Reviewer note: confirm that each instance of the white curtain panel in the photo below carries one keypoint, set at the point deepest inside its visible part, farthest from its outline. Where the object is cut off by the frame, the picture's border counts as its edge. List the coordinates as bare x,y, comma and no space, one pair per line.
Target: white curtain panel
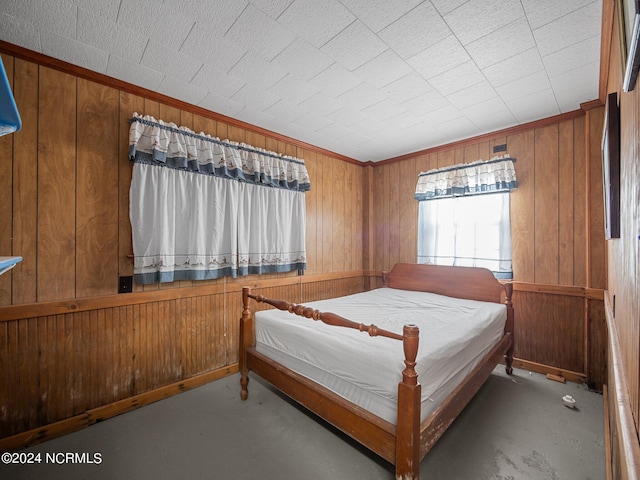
472,231
271,230
201,208
184,225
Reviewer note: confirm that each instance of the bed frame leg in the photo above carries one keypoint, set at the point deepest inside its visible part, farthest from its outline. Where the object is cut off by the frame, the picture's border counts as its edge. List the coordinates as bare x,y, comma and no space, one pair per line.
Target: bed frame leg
408,425
508,360
244,382
508,356
246,341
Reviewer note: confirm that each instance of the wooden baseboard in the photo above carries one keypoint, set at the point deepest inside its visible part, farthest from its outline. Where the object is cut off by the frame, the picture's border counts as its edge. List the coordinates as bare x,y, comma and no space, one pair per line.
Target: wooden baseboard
575,377
95,415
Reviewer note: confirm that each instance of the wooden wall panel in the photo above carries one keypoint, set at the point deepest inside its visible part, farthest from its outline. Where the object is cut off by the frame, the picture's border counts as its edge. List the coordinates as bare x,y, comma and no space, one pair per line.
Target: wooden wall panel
446,158
597,260
521,147
407,214
596,346
356,188
312,199
580,203
311,292
56,185
566,228
352,210
9,384
97,190
379,220
394,229
471,153
339,255
25,175
557,341
6,198
546,205
326,177
368,230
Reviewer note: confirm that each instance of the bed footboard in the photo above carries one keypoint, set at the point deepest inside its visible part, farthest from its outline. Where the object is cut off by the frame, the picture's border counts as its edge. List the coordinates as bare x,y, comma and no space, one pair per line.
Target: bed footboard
407,432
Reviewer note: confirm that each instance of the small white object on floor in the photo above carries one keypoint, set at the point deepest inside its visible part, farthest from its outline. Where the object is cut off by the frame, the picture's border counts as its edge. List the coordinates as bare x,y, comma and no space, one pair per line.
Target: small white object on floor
569,401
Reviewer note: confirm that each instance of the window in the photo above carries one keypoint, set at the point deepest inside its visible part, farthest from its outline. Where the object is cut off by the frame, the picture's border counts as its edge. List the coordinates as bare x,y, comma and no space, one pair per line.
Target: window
464,215
471,231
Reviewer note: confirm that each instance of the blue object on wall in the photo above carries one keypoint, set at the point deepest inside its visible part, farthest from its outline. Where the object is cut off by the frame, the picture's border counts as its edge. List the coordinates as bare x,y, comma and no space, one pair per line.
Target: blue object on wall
9,117
7,263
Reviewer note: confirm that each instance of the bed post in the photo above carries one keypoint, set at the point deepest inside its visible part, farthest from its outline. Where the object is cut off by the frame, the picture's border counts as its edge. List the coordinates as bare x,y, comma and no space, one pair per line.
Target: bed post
508,328
409,396
246,341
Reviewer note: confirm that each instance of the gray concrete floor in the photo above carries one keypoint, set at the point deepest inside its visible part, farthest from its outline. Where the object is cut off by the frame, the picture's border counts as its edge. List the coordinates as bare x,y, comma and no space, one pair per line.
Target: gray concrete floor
515,428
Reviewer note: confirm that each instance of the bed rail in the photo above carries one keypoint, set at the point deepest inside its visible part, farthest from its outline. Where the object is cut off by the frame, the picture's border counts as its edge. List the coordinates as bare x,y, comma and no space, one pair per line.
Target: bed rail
325,317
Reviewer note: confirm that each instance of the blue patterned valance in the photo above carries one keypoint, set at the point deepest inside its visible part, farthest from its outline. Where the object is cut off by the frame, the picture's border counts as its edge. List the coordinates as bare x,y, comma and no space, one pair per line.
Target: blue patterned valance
155,142
495,175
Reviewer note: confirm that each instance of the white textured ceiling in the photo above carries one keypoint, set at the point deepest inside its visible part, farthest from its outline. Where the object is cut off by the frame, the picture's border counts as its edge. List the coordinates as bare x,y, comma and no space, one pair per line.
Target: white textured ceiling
369,79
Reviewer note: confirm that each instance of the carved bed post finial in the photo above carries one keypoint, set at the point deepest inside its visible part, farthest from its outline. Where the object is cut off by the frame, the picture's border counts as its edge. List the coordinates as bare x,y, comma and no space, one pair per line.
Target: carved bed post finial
411,336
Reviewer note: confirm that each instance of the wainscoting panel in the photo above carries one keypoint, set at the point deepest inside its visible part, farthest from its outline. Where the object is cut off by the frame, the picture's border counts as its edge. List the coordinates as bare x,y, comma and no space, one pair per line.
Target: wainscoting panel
105,350
550,329
58,366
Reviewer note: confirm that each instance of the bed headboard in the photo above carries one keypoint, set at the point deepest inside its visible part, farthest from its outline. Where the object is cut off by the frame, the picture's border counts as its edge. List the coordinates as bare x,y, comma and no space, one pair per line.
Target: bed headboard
459,282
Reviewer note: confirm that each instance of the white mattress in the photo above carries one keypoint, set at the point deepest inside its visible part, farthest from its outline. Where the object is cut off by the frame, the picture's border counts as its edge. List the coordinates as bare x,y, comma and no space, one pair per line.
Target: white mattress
454,336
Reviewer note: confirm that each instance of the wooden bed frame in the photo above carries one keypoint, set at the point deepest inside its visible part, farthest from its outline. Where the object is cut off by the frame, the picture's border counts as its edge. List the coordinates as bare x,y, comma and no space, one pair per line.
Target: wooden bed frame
408,441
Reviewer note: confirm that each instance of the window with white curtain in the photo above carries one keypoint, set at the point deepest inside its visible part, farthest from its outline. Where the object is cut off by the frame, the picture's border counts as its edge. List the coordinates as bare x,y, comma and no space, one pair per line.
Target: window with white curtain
202,208
469,231
464,216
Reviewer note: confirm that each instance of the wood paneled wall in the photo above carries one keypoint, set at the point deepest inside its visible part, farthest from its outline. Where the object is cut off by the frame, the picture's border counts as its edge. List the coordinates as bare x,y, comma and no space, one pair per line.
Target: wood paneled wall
68,343
558,244
548,210
66,191
623,285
